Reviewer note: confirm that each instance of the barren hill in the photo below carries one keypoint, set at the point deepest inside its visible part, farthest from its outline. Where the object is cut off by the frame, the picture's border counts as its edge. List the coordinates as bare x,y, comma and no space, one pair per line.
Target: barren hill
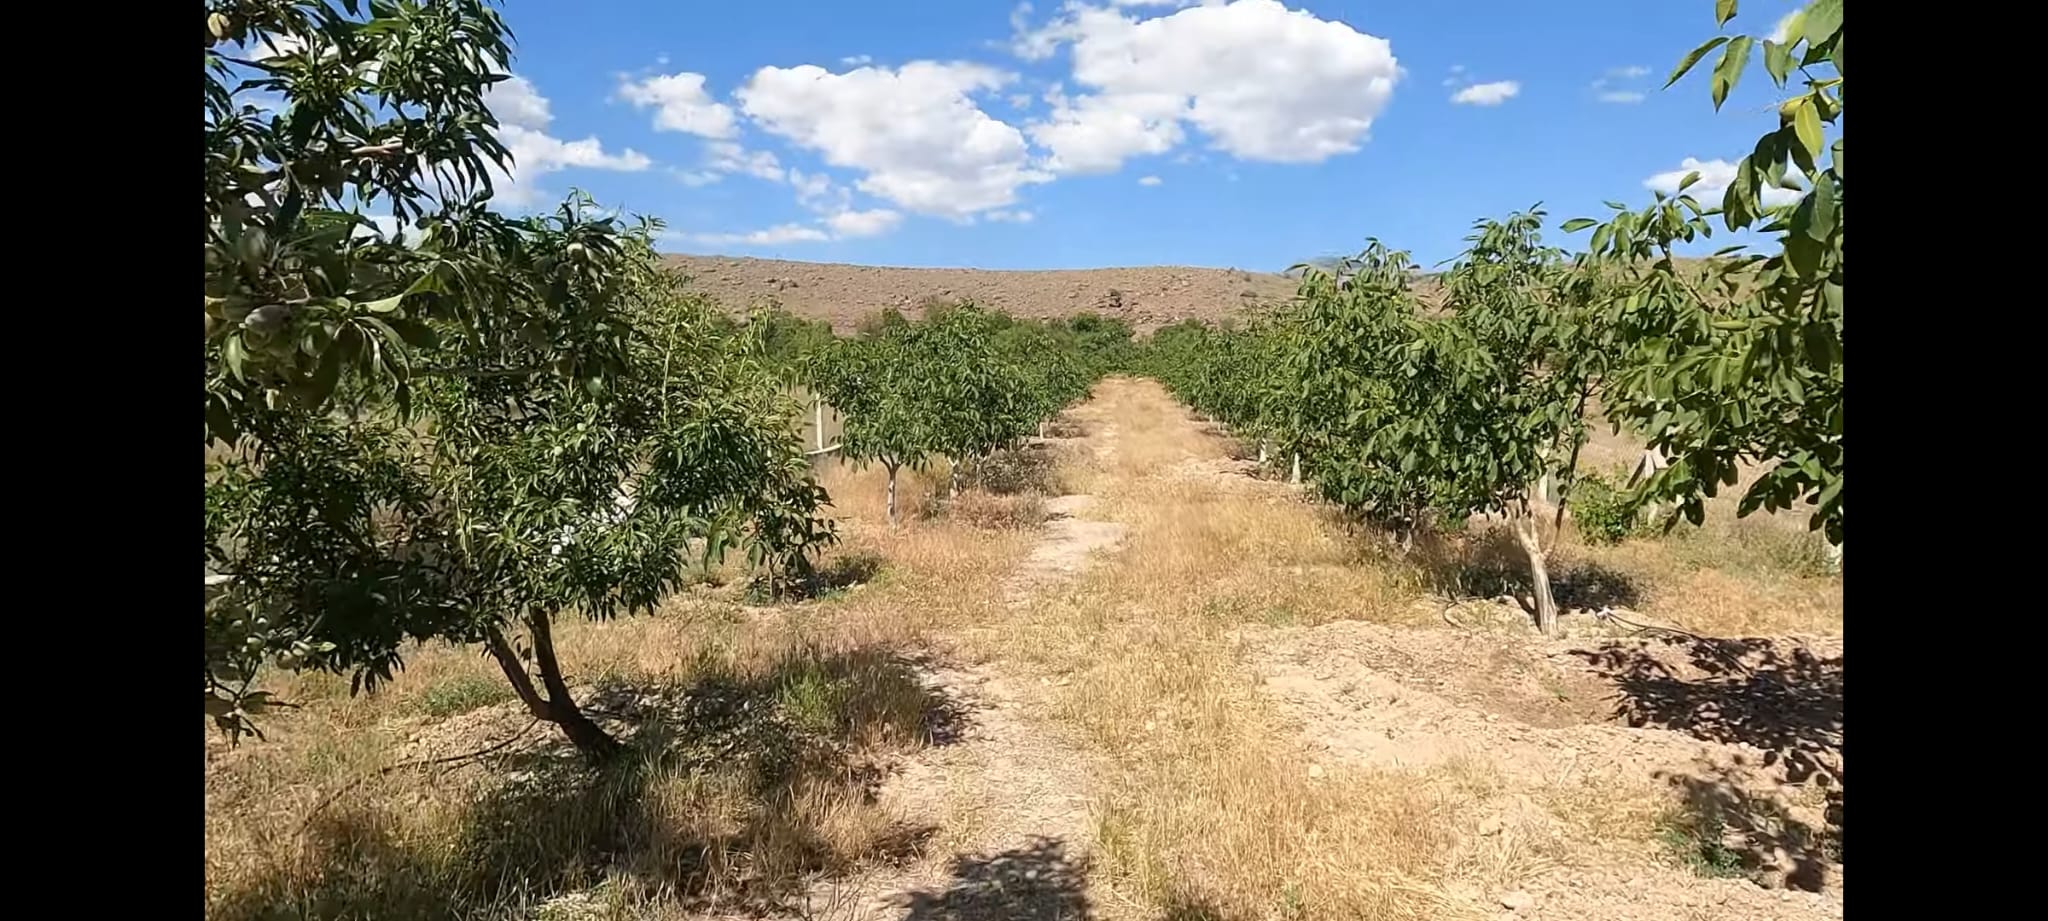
1149,297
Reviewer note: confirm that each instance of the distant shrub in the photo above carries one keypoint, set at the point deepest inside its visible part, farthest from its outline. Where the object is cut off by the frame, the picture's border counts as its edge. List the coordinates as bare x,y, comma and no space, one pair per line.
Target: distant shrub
1605,511
1008,473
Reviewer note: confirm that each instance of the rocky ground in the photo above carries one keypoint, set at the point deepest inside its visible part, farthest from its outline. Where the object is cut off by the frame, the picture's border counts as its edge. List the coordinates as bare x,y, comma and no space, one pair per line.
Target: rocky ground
1148,297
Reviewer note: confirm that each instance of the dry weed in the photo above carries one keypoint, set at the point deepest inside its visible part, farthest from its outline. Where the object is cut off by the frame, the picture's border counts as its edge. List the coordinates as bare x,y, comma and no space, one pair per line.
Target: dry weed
1212,805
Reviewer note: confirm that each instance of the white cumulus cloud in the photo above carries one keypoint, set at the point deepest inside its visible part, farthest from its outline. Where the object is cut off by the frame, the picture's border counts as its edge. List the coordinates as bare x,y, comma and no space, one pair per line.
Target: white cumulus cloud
1010,216
1262,82
730,157
773,236
915,132
680,103
1150,180
523,117
1487,94
1715,177
869,223
1605,88
271,46
515,102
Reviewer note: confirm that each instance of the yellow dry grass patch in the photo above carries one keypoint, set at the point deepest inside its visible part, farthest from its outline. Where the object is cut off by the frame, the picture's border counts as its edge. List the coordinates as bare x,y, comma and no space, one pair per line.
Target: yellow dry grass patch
1212,809
316,823
1212,803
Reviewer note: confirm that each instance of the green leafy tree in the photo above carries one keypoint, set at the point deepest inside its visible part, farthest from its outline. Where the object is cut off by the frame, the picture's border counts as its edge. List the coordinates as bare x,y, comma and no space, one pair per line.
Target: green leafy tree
1517,362
1741,360
977,395
459,438
1340,359
879,382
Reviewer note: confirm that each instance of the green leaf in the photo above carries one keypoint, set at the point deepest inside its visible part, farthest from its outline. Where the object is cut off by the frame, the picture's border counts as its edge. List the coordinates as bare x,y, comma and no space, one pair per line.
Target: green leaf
1689,179
1836,163
1728,71
1738,204
1724,10
1803,254
1795,29
1822,198
1821,20
1580,223
1694,58
314,390
216,705
1777,61
220,421
383,305
233,354
1806,124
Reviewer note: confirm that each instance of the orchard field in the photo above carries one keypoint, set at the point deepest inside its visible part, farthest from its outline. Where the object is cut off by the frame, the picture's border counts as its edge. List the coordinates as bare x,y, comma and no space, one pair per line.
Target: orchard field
540,584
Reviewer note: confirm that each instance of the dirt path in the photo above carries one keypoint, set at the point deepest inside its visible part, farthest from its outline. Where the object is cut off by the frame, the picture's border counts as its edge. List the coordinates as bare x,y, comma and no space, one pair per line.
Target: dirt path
1012,792
1573,750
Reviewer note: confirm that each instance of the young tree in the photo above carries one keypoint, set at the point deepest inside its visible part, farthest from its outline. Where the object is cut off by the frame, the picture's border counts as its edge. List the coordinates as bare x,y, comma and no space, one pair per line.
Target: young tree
975,394
1742,360
1529,350
543,426
1339,357
879,384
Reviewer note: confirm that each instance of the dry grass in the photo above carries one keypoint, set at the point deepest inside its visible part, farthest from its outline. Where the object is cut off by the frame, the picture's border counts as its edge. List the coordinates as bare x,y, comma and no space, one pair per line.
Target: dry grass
751,771
746,774
1211,809
1210,804
992,512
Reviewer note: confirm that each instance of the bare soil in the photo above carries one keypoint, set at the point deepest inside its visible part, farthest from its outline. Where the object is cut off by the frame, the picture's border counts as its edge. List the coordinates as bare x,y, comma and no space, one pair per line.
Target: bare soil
1148,297
1013,789
1748,730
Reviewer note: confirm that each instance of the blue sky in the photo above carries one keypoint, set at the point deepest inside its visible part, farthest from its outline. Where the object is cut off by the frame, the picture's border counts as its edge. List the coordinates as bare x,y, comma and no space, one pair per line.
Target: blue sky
1248,134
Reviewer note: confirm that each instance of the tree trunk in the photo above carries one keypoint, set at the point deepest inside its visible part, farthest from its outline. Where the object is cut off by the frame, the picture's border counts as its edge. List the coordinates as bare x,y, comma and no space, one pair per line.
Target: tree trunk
1295,476
1651,462
892,494
818,425
1528,535
953,480
1262,452
589,738
515,672
557,707
1041,429
1834,557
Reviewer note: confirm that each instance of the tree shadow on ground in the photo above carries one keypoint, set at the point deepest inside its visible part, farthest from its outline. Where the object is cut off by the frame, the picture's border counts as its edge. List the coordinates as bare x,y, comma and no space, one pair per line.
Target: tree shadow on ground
1182,906
1037,882
1784,700
734,789
1486,562
1722,828
847,570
